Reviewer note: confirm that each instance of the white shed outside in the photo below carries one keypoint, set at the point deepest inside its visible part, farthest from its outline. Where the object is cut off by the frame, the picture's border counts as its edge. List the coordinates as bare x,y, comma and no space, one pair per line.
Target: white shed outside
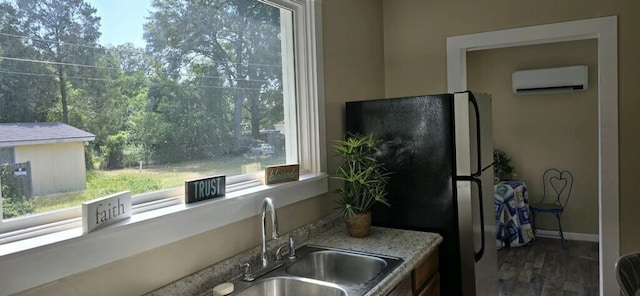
55,151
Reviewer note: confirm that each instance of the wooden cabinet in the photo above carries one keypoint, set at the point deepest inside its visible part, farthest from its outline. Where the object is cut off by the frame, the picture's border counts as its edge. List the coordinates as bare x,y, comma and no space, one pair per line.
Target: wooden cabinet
404,288
432,288
425,277
423,281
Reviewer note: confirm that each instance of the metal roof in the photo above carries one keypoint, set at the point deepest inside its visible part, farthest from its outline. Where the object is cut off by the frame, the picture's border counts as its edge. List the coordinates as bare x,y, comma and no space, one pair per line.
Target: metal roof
32,133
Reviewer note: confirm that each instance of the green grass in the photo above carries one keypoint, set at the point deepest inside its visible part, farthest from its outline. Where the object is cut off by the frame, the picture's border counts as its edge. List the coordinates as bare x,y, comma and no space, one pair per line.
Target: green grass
102,183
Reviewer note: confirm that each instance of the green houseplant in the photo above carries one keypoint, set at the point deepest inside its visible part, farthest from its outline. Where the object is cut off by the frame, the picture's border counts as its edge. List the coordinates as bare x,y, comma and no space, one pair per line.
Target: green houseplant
502,165
365,179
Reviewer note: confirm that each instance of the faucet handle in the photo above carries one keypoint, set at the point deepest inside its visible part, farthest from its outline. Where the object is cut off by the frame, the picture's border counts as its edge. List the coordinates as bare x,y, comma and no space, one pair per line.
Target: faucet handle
292,248
247,276
279,252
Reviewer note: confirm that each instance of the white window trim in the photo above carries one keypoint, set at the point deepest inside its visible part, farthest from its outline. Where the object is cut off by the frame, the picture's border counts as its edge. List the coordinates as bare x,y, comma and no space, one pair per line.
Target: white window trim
35,261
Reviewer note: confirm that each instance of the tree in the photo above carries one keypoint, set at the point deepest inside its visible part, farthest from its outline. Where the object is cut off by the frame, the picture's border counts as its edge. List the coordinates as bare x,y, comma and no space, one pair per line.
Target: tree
231,37
265,100
65,33
148,131
25,87
133,60
14,202
100,103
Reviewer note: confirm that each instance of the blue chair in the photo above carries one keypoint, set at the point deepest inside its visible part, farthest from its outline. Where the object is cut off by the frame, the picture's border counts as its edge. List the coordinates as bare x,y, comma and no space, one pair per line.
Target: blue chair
557,187
628,273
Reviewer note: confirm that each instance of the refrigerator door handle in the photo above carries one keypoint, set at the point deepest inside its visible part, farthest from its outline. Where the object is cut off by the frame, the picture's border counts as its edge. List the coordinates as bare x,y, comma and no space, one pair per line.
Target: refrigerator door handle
477,255
480,253
476,110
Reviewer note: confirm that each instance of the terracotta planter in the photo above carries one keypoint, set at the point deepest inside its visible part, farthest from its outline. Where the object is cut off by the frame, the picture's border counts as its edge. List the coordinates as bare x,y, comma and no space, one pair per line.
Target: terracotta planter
359,225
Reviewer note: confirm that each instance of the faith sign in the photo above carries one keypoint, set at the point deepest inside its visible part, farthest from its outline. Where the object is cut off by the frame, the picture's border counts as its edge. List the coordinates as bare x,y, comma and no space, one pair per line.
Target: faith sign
104,211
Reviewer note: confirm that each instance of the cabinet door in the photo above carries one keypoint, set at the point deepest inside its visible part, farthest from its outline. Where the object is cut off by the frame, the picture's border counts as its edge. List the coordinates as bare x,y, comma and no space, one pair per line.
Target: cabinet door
432,288
425,271
403,288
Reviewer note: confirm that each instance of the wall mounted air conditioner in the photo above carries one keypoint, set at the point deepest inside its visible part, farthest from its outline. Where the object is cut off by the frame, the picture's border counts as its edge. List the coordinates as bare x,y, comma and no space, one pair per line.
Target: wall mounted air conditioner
550,80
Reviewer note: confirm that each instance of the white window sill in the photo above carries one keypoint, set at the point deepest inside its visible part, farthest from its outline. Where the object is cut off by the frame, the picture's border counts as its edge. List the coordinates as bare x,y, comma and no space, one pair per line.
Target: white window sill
35,261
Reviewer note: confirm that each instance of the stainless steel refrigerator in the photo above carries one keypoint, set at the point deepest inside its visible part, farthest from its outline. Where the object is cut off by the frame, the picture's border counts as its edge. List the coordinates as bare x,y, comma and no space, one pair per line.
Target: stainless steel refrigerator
440,152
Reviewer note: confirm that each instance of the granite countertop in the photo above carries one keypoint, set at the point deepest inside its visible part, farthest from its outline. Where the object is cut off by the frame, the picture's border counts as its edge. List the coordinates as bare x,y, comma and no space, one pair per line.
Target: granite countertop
330,231
411,246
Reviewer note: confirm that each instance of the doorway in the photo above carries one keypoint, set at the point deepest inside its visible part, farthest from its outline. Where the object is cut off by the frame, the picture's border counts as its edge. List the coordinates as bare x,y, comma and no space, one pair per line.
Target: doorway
604,30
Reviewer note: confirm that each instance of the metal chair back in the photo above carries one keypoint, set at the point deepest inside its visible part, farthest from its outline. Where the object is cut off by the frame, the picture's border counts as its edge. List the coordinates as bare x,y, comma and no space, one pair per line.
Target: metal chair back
557,186
628,273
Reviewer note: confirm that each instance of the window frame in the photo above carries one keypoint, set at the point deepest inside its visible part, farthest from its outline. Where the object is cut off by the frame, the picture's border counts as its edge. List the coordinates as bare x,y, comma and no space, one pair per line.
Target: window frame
51,256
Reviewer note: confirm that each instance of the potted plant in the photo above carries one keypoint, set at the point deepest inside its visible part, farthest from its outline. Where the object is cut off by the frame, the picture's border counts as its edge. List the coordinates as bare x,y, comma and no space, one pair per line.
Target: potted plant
502,167
365,180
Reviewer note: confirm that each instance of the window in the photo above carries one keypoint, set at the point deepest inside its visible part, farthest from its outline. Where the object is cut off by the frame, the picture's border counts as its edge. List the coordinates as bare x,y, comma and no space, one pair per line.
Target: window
186,89
85,114
37,260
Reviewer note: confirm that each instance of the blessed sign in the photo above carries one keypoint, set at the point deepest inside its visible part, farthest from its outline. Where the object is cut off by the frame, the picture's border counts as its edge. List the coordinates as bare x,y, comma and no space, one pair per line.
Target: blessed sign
104,211
203,189
281,173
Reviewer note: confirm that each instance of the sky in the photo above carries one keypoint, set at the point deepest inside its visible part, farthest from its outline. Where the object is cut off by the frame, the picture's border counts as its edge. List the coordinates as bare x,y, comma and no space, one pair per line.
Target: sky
121,20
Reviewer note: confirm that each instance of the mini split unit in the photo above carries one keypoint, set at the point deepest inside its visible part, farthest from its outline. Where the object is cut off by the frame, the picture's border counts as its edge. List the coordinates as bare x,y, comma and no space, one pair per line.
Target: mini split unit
550,80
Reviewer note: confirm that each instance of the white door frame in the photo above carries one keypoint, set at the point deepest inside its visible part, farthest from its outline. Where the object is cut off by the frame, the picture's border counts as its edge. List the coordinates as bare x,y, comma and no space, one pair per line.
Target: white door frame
603,29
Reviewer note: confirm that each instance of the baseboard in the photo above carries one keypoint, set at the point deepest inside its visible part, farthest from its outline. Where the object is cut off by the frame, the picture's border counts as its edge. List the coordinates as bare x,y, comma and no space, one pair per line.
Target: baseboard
568,235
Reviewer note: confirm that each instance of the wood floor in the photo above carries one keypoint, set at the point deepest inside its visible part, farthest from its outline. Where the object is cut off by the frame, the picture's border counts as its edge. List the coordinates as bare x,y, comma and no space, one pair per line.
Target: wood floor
544,268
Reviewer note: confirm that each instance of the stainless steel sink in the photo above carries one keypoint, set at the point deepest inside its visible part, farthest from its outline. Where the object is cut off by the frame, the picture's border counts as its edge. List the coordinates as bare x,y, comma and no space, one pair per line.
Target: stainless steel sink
338,267
322,271
287,286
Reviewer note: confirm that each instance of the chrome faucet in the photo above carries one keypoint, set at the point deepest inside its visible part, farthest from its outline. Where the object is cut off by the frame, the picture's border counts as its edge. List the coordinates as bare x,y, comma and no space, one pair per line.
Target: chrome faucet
249,276
268,203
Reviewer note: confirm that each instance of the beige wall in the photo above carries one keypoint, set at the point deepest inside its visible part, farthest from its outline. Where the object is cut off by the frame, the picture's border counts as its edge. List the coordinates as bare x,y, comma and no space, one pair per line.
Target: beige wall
353,64
545,131
55,168
415,62
353,60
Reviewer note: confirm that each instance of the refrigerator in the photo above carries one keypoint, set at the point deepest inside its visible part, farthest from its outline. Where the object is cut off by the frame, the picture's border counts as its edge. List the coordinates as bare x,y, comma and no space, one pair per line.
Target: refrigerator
439,150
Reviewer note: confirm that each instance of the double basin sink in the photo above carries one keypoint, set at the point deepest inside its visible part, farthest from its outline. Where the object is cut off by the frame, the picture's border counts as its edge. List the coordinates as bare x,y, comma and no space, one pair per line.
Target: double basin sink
322,271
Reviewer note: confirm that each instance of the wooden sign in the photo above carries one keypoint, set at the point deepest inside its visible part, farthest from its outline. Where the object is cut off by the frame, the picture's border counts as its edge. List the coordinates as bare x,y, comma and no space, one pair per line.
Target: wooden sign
203,189
281,173
104,211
